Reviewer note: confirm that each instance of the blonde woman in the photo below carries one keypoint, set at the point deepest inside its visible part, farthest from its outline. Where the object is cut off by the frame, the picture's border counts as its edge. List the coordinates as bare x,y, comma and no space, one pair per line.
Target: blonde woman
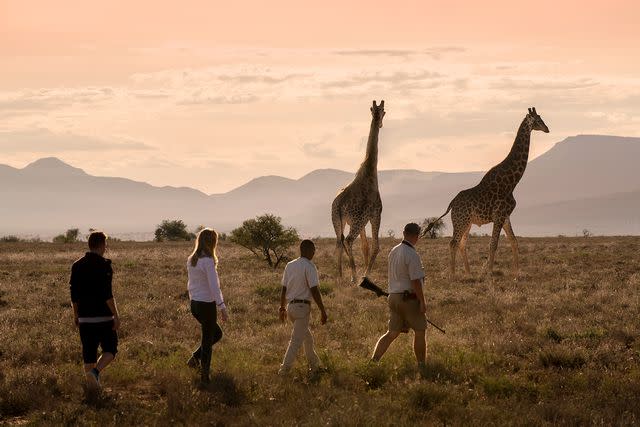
206,298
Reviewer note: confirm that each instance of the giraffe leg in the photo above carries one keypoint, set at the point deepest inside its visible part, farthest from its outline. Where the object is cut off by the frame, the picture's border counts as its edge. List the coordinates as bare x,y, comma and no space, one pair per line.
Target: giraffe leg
338,227
463,250
375,230
365,246
495,236
461,225
355,229
514,245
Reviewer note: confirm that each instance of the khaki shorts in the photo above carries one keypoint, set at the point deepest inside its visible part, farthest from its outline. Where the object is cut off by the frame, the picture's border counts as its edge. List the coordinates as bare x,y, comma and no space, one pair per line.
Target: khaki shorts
405,314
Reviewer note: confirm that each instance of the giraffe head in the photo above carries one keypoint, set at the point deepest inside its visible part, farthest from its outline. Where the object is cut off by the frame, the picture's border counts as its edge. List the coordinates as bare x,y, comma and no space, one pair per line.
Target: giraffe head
536,121
377,112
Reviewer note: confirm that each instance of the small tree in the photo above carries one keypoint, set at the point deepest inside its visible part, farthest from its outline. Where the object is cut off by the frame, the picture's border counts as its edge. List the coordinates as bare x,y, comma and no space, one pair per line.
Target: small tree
70,236
173,231
437,226
265,237
586,233
391,233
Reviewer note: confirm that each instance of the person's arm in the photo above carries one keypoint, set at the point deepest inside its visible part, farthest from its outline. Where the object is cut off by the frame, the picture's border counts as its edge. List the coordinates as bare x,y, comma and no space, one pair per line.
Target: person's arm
313,282
283,304
73,290
214,283
111,303
417,288
315,292
416,274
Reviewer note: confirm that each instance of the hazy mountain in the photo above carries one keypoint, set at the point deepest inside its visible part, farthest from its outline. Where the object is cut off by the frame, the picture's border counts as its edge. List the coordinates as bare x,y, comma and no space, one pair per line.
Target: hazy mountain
585,181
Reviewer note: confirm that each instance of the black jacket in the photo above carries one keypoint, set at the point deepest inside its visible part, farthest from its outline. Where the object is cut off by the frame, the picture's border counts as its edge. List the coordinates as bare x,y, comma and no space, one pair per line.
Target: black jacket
91,285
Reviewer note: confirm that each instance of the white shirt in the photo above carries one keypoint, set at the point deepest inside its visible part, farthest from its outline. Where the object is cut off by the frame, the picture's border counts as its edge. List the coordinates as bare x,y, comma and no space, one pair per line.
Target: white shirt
203,284
300,275
404,266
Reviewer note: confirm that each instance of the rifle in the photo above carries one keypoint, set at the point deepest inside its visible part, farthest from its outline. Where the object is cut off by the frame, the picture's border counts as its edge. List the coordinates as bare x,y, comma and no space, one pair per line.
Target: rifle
370,286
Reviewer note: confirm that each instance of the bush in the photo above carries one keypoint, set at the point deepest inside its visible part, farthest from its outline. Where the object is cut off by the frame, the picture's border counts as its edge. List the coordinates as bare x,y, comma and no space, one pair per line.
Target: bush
266,238
70,236
9,239
173,231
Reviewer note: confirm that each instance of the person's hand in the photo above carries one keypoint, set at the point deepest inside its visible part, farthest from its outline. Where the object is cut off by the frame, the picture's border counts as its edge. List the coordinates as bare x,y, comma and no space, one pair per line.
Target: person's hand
224,315
323,317
423,307
283,314
116,322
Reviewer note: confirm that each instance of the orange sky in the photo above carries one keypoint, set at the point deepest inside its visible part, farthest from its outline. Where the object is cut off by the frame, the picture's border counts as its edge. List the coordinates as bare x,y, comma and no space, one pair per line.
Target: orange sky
210,94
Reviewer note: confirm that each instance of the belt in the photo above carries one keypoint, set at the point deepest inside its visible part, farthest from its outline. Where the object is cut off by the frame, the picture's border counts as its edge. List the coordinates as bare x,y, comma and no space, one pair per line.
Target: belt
406,295
300,301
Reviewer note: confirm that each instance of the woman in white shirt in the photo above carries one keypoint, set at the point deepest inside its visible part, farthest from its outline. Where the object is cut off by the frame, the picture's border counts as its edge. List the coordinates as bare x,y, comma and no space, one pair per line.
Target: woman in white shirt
206,298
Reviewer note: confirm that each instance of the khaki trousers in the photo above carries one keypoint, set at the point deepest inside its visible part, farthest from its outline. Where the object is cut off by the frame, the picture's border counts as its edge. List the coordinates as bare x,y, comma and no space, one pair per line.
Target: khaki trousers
299,315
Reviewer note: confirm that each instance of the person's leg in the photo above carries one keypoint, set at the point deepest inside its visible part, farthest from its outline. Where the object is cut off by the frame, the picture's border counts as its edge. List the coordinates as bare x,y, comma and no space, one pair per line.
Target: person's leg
207,313
383,344
296,315
90,343
420,346
309,350
197,353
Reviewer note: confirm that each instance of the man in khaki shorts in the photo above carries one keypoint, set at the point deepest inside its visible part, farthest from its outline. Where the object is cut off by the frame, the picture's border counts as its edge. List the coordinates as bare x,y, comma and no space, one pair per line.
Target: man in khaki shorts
406,301
299,284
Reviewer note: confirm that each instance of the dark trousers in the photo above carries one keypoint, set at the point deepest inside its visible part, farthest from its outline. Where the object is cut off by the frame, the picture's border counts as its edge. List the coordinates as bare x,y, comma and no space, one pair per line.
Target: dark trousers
206,314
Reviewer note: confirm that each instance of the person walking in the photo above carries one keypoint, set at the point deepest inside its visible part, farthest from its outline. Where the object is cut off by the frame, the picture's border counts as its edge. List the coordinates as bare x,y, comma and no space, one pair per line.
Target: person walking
95,312
406,301
300,284
206,299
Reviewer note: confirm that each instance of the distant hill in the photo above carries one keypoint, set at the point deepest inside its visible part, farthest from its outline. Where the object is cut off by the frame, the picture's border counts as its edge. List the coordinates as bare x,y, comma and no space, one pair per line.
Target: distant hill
585,181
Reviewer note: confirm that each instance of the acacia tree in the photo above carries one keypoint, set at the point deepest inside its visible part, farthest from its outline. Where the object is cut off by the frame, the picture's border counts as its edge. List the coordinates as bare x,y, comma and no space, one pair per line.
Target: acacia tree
70,236
437,226
266,238
172,230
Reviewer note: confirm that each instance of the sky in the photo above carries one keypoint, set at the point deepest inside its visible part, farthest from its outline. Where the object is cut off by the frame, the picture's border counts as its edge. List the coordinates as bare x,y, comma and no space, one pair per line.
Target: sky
210,94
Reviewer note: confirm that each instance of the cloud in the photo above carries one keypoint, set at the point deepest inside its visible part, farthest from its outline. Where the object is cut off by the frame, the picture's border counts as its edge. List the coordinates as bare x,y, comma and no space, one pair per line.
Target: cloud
53,98
546,84
198,98
44,141
320,148
433,52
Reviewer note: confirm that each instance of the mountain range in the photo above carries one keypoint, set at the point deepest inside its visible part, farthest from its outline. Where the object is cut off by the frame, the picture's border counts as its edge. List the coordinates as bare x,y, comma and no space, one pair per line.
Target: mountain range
583,182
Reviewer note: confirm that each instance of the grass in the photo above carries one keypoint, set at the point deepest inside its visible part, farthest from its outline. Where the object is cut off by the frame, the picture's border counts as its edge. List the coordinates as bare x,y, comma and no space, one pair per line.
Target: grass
558,346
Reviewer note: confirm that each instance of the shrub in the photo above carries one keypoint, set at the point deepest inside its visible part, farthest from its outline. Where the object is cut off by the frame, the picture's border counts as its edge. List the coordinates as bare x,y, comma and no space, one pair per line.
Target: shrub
9,239
70,236
265,237
561,358
426,396
173,231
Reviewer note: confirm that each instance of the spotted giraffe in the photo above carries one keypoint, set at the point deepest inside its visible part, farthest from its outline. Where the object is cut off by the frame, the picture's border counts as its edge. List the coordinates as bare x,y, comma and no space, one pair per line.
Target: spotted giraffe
492,199
359,203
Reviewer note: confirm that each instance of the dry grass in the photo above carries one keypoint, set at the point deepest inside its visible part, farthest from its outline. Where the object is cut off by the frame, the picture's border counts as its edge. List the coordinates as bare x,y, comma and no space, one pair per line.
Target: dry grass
560,346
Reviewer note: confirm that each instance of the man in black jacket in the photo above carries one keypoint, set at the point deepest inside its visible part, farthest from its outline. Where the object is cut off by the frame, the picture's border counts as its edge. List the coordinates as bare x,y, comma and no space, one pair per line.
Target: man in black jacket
94,308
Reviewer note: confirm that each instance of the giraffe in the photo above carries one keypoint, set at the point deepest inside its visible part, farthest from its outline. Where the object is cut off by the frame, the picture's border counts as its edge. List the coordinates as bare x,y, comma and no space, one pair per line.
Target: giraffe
359,203
492,199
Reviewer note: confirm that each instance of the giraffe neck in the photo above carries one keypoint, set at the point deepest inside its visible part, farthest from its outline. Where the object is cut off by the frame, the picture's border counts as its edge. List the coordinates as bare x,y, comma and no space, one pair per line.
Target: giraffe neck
516,160
369,166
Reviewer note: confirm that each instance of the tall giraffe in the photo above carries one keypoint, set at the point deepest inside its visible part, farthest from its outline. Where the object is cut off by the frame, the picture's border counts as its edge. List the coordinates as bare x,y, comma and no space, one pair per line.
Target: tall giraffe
492,199
359,203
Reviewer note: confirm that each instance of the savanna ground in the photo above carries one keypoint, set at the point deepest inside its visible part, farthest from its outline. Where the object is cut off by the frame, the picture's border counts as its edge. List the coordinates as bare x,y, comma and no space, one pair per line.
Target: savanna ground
559,346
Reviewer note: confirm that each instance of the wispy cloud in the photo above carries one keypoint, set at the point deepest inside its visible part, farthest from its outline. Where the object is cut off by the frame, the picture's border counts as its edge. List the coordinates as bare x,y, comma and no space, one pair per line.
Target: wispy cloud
44,141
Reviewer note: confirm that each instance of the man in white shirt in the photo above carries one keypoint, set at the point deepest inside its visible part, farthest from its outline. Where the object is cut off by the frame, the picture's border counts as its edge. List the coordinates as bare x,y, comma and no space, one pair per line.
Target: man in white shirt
299,284
406,300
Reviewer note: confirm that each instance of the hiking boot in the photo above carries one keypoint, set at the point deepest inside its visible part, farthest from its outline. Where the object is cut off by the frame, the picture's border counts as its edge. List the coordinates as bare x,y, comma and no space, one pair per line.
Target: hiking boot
93,379
193,362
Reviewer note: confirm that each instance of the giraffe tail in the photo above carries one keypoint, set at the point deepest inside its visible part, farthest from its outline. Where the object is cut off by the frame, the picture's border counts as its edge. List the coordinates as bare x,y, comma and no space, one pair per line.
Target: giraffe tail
432,223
